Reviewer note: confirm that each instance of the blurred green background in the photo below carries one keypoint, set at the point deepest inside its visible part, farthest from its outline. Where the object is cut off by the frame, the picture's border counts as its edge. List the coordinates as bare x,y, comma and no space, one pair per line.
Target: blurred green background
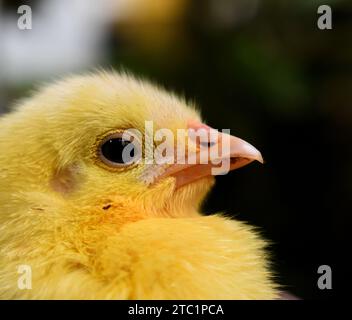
261,68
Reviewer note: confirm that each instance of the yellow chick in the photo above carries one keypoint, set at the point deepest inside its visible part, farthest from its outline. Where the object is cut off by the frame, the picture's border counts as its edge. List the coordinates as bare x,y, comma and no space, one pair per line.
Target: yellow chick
84,224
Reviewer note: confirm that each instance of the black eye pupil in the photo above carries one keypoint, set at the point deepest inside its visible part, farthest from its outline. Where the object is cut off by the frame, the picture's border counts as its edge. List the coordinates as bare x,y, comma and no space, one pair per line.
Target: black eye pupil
112,150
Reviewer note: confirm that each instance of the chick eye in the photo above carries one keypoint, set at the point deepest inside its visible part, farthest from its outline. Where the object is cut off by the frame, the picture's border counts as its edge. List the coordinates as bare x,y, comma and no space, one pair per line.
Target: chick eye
112,150
118,151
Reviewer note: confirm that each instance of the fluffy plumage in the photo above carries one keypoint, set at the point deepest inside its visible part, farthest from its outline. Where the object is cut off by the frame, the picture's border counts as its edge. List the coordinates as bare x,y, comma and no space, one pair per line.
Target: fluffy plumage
93,233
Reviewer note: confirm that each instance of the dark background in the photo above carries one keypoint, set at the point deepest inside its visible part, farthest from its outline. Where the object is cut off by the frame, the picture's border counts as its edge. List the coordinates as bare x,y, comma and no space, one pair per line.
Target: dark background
264,70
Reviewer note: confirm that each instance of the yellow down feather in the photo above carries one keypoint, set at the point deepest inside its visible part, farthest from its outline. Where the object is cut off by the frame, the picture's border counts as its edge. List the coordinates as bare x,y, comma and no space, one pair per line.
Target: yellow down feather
92,233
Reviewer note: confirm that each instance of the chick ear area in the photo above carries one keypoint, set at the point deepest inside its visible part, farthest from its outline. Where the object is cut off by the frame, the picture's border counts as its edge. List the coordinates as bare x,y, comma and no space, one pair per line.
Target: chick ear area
66,180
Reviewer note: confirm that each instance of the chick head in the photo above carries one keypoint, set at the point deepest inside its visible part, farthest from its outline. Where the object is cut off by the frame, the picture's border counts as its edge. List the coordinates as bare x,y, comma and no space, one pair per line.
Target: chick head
68,140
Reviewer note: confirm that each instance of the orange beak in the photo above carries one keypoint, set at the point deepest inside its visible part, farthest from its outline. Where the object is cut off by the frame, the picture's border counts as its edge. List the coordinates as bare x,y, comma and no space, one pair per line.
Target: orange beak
235,153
